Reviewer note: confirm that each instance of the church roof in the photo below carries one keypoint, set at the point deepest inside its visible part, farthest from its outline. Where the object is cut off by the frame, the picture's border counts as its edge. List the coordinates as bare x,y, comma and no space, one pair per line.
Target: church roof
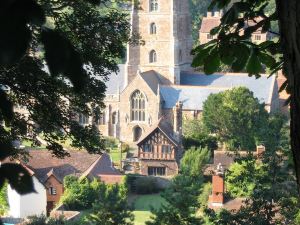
152,79
195,88
116,81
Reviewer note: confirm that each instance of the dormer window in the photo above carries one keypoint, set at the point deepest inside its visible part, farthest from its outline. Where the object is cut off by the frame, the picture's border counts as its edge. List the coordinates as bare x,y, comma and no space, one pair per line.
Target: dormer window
152,28
152,56
153,5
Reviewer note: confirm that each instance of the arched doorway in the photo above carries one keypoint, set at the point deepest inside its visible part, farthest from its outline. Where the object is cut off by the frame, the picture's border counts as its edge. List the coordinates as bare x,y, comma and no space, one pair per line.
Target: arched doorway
137,133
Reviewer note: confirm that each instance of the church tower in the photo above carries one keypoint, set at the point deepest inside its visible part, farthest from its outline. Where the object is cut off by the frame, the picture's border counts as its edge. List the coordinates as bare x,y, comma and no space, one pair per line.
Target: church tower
165,29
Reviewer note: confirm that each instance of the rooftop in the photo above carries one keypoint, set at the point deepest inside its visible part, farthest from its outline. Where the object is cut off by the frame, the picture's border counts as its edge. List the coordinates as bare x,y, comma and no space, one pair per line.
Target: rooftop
196,87
116,82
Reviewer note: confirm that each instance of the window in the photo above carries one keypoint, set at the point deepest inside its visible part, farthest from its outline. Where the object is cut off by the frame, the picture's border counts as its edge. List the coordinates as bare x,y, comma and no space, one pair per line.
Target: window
152,56
153,5
83,119
101,119
209,36
152,28
257,37
114,118
157,171
138,106
166,149
52,191
148,148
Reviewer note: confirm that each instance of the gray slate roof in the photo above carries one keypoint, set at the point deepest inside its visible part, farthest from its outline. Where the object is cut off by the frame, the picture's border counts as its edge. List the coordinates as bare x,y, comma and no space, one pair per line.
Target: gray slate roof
116,81
195,88
152,79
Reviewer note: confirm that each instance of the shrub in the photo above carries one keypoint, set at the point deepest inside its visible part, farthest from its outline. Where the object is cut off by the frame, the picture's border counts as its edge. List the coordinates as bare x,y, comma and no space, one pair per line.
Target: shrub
111,143
125,148
146,185
80,194
3,200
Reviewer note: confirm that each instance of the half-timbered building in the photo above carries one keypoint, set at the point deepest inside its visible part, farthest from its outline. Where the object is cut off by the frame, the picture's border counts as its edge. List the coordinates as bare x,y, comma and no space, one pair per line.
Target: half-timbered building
159,151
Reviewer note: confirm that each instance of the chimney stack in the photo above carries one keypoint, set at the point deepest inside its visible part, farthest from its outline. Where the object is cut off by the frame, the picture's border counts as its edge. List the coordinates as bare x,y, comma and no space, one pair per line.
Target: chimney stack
216,199
209,14
177,126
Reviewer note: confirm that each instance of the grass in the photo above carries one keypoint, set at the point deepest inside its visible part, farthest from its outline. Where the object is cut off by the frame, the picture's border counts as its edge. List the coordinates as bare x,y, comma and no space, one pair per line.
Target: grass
142,207
116,155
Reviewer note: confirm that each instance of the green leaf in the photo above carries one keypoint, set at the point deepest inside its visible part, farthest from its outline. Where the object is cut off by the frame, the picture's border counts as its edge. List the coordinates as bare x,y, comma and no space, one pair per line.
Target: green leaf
215,30
241,53
62,58
254,65
6,149
6,107
18,177
201,55
267,60
212,62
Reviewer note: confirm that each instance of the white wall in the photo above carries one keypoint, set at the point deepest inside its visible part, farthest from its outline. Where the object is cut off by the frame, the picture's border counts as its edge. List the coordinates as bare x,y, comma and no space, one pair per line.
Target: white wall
31,204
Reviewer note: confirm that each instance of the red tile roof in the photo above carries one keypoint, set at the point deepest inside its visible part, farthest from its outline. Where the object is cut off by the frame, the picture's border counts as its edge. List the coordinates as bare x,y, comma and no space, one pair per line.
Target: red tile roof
209,23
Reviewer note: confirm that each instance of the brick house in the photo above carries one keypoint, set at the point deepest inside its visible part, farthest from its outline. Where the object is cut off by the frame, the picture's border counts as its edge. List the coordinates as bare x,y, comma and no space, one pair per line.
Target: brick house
50,171
217,171
213,19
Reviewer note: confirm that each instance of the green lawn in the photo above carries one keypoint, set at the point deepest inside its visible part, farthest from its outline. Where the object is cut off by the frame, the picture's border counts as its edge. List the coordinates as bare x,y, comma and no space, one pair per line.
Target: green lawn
116,156
142,206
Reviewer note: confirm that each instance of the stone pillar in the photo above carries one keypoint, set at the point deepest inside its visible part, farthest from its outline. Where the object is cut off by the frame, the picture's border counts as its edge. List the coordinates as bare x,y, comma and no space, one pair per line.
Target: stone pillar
216,199
177,126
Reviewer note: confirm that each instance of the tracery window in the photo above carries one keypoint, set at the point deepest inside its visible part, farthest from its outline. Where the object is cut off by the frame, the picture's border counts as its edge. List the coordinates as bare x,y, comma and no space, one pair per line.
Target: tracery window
153,5
152,28
152,56
137,104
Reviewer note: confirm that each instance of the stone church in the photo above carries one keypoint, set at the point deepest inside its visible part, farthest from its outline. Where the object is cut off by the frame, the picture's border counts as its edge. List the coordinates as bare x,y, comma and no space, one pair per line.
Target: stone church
157,86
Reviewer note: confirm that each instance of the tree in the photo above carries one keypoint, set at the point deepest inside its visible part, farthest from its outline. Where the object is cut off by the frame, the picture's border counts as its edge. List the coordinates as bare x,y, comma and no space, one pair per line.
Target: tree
198,10
195,135
233,48
271,193
242,177
112,207
80,194
193,161
181,196
236,117
54,57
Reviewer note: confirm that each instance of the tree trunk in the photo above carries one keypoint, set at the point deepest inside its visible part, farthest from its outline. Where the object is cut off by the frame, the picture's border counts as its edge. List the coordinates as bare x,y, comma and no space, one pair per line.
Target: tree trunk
289,26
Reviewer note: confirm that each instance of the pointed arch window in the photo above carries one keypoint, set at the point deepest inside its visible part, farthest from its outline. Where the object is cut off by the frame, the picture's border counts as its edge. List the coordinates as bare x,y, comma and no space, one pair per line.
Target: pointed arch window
138,105
152,28
153,5
152,56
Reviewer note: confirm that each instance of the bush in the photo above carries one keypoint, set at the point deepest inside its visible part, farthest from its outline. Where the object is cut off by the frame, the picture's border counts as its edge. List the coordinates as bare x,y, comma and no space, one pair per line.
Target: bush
80,194
146,185
111,143
125,148
3,200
